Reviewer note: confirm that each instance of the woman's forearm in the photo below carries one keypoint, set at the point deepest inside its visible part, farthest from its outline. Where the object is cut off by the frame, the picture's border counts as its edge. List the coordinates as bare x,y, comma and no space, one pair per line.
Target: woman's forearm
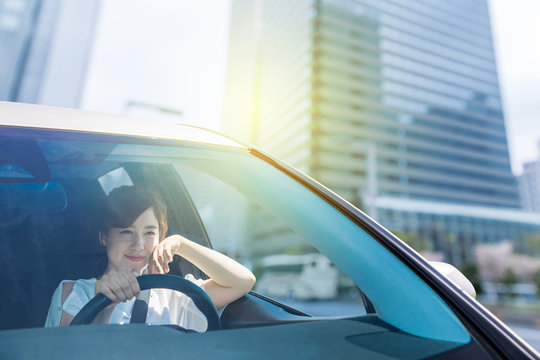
220,268
228,281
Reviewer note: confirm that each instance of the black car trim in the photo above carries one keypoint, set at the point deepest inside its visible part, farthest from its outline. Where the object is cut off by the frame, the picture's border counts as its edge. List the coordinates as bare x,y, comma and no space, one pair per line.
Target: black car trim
277,303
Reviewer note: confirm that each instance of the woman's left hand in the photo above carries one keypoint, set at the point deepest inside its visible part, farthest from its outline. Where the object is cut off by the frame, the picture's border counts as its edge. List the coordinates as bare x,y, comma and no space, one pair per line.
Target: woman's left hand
163,255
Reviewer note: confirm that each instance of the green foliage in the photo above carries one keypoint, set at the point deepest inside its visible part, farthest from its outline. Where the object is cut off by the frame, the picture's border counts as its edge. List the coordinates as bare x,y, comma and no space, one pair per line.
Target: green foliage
509,279
417,241
450,238
471,272
300,250
536,281
533,244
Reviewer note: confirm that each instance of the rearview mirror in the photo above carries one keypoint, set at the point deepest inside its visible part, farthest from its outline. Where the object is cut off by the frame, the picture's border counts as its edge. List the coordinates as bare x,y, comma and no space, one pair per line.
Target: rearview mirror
455,276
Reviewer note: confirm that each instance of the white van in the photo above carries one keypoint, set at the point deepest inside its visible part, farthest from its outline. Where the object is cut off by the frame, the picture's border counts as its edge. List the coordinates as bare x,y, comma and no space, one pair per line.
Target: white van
302,277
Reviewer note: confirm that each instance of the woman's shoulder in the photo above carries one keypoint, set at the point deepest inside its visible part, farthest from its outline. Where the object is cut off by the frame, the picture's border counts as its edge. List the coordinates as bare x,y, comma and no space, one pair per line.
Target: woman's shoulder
85,282
81,282
69,296
81,286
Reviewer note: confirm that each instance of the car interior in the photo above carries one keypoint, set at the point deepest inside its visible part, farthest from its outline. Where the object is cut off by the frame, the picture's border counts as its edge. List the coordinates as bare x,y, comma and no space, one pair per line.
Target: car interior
49,230
41,248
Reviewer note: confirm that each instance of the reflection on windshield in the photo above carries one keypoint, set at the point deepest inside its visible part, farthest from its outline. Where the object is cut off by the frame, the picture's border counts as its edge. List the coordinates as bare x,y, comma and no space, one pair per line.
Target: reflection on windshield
288,268
220,197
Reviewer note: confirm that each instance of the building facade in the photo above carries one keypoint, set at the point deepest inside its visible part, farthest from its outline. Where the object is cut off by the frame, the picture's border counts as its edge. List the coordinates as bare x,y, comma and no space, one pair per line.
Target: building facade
396,106
44,50
415,82
529,185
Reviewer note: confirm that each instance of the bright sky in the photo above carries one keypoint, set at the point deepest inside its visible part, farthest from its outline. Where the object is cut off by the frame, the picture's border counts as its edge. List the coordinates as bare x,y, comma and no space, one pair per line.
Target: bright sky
169,53
172,53
516,28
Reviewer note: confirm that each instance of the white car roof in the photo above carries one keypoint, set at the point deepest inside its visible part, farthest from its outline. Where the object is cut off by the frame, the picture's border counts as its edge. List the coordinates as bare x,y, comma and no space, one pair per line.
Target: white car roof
48,117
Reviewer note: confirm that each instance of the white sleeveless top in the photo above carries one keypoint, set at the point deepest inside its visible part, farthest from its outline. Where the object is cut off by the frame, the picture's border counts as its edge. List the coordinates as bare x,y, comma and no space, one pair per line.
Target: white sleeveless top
164,306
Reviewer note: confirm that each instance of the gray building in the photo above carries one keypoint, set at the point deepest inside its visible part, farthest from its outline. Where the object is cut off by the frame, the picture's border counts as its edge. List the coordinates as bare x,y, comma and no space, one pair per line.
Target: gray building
45,47
395,105
529,185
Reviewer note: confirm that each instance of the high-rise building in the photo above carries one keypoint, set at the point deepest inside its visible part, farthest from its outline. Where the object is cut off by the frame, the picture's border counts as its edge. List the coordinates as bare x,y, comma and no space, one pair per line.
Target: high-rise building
393,104
529,185
17,20
414,81
44,49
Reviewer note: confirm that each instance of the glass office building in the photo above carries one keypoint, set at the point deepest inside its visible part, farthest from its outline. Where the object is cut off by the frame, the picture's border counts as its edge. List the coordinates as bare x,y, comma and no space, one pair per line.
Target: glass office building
529,185
396,106
44,50
413,81
17,22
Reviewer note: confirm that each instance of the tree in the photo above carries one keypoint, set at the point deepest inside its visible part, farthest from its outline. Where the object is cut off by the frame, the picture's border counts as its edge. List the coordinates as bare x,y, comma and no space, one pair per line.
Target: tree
493,259
417,241
536,281
533,244
470,271
508,280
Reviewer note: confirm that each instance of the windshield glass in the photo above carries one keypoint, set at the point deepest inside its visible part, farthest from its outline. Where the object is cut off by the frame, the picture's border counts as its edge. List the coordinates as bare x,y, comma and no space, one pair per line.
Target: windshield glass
303,251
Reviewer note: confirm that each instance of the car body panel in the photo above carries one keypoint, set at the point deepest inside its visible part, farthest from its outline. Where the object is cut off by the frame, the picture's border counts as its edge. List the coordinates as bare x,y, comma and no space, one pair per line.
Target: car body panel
360,338
24,115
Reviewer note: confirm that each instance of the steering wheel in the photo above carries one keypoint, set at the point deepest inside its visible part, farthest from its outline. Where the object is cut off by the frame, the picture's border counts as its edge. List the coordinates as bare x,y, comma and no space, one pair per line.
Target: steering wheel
166,281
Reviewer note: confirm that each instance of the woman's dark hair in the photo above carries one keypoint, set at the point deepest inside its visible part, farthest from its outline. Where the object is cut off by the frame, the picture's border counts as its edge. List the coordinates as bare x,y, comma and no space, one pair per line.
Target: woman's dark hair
126,203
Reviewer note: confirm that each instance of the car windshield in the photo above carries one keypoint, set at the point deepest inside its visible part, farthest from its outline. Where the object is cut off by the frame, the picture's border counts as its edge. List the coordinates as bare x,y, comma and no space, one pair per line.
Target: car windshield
304,252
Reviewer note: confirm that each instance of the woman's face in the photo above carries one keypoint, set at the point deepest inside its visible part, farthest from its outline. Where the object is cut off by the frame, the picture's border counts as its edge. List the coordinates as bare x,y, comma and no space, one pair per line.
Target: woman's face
131,247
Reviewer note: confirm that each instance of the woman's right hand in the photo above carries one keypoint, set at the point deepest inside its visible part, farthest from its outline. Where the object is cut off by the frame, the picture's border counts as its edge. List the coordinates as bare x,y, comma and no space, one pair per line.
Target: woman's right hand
119,285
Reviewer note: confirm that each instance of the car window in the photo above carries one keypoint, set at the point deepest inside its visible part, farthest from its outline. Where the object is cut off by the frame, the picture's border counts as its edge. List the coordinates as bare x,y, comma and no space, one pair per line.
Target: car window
303,249
288,268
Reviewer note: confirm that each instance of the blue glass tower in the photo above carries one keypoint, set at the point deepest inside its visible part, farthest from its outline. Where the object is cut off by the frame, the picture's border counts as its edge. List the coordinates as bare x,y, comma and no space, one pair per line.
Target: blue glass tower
396,106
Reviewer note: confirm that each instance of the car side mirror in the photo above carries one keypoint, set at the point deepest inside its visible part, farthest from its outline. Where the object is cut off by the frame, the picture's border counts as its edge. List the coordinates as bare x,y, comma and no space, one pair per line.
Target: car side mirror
455,276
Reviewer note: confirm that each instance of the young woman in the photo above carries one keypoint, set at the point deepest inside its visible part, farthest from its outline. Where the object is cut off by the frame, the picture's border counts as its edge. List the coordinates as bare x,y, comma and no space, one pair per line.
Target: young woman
133,234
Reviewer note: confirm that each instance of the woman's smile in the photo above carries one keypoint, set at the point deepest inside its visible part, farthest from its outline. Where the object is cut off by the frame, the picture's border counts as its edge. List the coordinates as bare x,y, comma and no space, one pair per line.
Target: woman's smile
136,258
